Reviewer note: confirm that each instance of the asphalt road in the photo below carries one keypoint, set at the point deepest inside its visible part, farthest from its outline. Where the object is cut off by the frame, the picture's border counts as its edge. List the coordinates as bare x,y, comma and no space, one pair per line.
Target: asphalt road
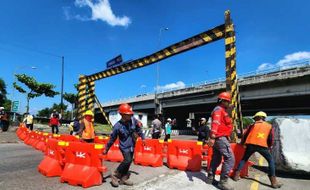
18,171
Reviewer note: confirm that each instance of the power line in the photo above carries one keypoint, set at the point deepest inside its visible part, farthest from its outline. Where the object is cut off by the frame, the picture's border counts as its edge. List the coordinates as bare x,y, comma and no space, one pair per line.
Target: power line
29,49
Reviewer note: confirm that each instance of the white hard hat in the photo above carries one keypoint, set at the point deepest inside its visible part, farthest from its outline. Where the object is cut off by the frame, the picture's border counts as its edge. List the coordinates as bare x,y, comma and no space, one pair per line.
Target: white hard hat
1,108
169,119
203,119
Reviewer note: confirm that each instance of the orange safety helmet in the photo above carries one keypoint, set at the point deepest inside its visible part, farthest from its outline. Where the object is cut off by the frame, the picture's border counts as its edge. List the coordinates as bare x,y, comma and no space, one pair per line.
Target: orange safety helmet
225,96
125,109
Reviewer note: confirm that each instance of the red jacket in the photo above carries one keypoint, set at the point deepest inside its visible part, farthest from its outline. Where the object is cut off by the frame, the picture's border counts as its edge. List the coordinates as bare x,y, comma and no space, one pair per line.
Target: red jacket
54,121
221,125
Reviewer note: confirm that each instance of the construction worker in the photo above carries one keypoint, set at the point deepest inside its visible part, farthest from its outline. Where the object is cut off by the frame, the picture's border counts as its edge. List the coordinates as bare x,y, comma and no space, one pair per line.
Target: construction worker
4,123
221,128
87,131
127,129
203,131
54,124
156,127
28,120
259,138
168,129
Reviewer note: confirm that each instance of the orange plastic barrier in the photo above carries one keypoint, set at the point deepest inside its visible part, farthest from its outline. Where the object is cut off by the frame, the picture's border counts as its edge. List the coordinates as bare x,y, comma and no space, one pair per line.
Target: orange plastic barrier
22,132
238,151
69,138
149,155
41,145
30,137
115,154
101,140
53,162
184,155
36,139
83,164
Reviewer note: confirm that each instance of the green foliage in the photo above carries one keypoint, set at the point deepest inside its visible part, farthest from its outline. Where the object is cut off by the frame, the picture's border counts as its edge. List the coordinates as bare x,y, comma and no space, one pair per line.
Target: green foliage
6,103
247,121
46,112
70,97
36,89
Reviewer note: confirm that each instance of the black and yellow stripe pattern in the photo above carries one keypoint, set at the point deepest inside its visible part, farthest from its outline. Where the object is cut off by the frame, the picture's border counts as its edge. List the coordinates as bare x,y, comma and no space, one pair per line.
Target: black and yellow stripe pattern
231,73
82,94
185,45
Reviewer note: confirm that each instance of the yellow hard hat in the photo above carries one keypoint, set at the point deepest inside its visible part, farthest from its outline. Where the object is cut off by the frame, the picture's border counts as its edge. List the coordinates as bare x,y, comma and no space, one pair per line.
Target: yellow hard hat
260,114
89,112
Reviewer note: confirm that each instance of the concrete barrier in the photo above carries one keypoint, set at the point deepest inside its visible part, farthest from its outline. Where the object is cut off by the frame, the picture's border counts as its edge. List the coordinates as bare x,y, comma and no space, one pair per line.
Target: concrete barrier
292,149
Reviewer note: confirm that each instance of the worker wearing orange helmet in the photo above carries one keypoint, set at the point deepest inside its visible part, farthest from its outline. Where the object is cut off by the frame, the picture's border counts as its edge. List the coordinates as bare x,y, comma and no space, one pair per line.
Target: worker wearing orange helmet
221,128
128,129
87,131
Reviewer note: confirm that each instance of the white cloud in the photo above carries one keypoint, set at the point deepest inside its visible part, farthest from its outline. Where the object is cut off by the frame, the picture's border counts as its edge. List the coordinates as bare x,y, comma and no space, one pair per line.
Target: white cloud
293,58
287,61
265,66
100,10
175,85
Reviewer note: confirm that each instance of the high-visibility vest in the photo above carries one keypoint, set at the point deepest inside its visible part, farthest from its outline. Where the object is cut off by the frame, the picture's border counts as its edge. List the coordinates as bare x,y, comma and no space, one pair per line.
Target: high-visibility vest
259,134
89,131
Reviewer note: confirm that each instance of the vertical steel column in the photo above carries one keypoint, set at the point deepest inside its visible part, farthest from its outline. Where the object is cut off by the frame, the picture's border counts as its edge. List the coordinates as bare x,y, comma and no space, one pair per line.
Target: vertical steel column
91,96
231,73
81,96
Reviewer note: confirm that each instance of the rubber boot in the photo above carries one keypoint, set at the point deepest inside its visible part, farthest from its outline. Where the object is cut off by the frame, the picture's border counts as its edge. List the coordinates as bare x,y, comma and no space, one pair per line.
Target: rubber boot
115,179
236,176
210,179
125,180
274,183
224,185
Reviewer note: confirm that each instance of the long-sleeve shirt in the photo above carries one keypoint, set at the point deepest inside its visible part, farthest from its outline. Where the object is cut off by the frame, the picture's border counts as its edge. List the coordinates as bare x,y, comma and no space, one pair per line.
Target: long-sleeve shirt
125,132
221,125
270,138
168,128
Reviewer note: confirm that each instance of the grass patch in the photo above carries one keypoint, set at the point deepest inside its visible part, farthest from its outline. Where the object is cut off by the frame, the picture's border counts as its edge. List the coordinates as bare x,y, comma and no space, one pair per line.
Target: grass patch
102,128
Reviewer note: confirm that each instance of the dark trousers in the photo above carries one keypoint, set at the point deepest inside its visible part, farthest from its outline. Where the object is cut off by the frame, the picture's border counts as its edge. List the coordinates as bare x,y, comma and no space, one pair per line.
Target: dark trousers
29,126
221,149
88,140
250,149
123,168
167,137
55,127
156,135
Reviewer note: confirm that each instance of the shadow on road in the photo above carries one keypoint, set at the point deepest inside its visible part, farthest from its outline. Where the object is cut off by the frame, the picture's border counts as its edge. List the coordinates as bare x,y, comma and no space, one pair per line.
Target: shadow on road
252,179
285,174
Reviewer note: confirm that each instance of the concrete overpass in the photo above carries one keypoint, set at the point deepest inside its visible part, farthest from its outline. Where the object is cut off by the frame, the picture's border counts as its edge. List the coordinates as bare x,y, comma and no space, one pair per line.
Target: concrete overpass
280,92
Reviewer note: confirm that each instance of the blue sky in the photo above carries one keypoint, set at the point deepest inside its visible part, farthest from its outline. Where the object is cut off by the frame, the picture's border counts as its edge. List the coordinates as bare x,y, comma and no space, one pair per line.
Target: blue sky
89,33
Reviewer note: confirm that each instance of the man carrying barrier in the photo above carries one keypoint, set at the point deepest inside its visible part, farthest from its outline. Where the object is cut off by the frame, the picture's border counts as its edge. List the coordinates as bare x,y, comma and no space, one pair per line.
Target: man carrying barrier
258,138
221,128
127,130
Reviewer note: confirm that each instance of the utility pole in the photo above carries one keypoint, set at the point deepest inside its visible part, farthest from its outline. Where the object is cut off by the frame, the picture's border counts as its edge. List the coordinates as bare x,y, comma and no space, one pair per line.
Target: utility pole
157,103
62,86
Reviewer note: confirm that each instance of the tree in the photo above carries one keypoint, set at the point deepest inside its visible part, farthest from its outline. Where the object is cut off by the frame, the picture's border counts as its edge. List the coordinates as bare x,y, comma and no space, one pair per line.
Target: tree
72,99
36,89
2,92
46,112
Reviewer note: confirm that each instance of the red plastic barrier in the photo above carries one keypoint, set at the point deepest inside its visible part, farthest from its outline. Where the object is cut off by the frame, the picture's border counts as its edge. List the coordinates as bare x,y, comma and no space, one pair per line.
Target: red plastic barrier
22,132
238,151
29,140
184,155
115,154
101,140
69,138
37,138
83,164
41,145
53,162
149,155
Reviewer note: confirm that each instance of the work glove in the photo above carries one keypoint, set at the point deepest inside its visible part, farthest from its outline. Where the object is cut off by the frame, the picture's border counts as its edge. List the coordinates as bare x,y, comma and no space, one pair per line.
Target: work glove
211,142
105,152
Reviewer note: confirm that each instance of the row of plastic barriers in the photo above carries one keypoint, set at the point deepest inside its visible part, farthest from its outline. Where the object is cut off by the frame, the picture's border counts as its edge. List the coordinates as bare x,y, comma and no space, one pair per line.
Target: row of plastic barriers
80,163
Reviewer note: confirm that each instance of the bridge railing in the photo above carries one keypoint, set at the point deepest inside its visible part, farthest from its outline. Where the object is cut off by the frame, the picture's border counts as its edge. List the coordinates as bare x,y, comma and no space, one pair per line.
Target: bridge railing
280,72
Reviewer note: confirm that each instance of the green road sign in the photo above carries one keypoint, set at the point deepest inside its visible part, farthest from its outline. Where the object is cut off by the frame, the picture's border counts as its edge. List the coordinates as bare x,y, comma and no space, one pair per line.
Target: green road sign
15,106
